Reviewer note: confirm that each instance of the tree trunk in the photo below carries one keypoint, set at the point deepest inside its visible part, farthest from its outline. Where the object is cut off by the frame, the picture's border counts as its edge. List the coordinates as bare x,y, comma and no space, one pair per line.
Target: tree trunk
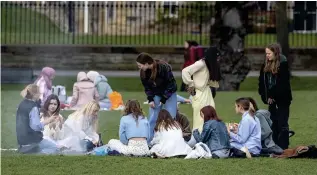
282,28
234,65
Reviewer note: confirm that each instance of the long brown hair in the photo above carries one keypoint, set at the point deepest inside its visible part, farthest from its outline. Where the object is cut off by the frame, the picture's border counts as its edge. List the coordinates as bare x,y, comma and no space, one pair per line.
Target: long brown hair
273,65
246,105
47,104
209,113
165,121
133,107
144,58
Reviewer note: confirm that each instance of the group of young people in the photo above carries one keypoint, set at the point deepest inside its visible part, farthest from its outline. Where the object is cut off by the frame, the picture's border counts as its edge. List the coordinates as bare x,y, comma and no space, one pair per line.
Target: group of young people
165,132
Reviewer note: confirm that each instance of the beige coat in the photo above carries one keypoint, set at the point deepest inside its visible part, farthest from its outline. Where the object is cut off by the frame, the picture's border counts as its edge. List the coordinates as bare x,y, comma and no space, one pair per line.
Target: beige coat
84,91
202,85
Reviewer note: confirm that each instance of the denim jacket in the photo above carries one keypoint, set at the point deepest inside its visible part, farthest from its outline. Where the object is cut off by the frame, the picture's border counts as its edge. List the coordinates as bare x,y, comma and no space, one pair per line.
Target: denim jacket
214,134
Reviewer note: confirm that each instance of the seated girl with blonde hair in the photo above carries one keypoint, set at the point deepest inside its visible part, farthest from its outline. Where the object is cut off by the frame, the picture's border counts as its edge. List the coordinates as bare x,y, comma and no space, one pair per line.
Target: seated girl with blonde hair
29,127
133,132
52,131
80,128
168,139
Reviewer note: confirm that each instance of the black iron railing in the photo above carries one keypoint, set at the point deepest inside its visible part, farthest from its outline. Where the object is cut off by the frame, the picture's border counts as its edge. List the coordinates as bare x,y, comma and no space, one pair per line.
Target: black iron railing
143,23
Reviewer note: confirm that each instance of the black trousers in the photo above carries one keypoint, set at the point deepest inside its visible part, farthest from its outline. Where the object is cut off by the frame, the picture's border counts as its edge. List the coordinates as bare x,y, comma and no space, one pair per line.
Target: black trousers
280,128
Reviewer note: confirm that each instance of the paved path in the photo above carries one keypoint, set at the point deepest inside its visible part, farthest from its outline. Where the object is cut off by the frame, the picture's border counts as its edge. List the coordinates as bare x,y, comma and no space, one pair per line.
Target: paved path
176,73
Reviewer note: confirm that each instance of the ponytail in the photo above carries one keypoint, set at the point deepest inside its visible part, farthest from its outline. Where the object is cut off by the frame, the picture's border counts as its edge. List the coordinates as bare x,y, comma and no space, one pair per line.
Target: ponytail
247,105
251,110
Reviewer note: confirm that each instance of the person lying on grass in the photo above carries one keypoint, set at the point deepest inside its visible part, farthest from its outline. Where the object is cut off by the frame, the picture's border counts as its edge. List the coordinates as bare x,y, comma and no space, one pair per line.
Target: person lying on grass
29,127
133,132
52,131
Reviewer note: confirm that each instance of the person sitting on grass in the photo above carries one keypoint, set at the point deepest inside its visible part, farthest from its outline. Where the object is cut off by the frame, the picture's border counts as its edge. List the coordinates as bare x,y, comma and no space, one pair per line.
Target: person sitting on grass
168,139
80,129
84,91
29,127
214,133
268,145
133,132
52,131
103,88
185,125
246,136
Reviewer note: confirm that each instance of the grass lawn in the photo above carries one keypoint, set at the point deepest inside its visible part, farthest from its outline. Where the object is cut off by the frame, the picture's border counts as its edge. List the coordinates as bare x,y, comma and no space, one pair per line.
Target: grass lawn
24,26
303,120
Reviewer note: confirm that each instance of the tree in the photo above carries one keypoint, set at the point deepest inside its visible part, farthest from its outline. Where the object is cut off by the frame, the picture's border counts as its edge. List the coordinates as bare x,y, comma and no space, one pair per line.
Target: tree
282,27
228,34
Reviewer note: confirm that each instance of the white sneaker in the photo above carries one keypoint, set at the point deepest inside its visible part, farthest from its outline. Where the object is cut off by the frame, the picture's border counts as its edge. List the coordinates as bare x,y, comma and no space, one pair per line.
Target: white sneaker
146,102
247,153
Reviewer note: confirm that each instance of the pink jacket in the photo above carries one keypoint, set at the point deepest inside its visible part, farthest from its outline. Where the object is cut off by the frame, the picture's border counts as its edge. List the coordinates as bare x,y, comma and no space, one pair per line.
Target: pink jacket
83,92
44,91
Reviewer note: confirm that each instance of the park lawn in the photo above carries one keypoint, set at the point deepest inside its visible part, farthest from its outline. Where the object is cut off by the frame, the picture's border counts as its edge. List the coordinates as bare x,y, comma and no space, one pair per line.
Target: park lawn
133,84
303,120
24,26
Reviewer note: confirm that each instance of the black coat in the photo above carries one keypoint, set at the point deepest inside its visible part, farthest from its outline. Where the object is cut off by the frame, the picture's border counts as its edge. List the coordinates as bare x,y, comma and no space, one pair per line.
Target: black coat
281,92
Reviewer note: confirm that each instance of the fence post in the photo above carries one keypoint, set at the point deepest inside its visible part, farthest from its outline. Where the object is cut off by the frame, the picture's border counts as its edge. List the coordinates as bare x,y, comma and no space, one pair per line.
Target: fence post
86,18
200,25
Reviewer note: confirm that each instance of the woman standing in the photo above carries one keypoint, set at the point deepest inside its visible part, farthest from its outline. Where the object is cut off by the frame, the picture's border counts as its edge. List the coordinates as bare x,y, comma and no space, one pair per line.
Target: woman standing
275,90
206,74
159,85
193,52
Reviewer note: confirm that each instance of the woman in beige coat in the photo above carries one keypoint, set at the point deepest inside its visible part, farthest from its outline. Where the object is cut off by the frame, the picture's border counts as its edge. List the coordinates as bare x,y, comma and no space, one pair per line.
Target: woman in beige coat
199,77
84,91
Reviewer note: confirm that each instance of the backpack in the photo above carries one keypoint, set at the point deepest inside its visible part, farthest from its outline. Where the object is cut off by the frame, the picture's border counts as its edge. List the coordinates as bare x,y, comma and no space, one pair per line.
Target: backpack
60,91
199,151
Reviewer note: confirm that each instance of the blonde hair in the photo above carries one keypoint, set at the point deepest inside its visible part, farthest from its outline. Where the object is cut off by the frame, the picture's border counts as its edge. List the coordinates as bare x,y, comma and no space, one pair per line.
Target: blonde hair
86,111
30,91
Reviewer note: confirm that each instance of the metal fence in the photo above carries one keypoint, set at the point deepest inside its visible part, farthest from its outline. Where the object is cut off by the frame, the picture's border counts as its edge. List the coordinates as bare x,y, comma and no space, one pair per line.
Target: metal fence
143,23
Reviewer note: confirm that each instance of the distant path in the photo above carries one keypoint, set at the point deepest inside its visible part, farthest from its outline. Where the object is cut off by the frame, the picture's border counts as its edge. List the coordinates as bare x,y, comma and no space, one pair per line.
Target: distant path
176,73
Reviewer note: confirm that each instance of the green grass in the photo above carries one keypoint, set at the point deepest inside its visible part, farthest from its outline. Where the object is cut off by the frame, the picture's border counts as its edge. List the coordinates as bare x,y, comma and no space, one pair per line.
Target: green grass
24,26
303,120
133,84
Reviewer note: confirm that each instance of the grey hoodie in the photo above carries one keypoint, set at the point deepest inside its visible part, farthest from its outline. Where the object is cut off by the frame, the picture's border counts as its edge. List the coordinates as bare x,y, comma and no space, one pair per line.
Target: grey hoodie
103,88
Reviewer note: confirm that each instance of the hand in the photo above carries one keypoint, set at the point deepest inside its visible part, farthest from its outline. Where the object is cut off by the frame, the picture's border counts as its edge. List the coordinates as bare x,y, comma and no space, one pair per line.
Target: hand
191,91
152,105
95,143
270,101
51,125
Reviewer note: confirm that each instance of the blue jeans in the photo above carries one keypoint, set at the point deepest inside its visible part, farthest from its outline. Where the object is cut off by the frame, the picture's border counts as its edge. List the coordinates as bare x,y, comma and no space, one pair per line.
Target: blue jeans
170,106
47,147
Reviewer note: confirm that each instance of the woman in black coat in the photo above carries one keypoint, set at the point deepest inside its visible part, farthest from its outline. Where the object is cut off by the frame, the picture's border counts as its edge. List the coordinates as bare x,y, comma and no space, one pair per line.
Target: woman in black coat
275,90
